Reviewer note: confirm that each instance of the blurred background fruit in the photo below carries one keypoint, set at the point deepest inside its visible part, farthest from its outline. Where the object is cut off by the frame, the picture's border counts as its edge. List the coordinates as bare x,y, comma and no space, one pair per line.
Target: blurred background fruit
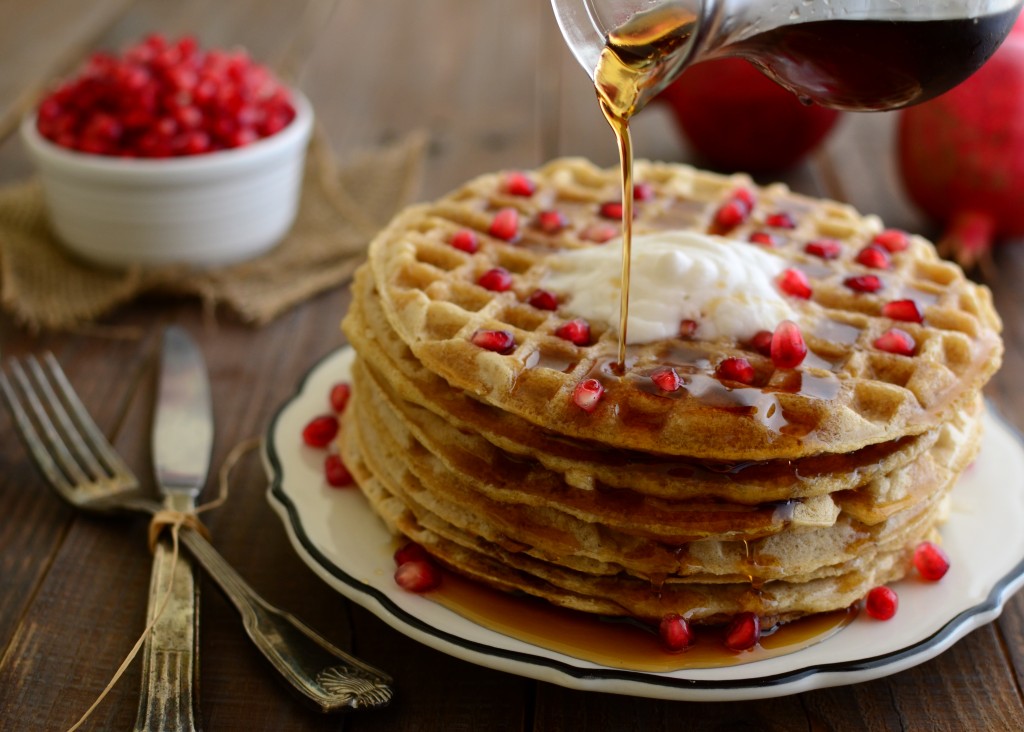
961,157
736,118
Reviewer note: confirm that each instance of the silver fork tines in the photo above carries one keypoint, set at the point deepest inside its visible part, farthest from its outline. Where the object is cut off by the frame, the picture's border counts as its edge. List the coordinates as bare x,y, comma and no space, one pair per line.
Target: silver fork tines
62,438
82,467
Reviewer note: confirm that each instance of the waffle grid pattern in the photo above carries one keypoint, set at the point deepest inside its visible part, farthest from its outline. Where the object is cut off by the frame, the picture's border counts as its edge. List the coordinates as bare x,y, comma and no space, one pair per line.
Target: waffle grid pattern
846,395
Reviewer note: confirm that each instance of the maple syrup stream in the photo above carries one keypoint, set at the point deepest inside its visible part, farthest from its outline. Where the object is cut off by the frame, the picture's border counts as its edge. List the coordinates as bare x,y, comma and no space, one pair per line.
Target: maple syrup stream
633,61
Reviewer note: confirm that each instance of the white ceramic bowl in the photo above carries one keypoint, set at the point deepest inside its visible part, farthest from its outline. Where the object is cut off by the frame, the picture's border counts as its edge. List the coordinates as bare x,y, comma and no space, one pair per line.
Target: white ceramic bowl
203,210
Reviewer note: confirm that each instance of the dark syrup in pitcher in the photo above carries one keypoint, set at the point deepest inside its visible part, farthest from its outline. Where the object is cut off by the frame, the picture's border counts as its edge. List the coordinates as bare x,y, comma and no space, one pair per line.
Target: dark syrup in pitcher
870,65
851,64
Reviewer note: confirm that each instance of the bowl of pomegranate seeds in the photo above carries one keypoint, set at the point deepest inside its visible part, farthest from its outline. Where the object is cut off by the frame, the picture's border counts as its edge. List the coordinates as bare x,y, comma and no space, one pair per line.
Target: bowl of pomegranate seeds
169,153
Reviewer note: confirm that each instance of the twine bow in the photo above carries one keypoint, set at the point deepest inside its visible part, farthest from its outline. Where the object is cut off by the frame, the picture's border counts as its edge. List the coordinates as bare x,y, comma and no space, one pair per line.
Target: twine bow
175,521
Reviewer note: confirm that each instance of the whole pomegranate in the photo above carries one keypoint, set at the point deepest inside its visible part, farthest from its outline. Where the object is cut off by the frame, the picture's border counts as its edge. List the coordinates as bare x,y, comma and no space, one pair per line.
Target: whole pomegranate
961,156
736,118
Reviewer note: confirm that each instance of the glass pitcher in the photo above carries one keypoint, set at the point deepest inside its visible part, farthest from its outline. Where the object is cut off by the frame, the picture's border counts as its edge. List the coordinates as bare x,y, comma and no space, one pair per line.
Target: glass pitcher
855,55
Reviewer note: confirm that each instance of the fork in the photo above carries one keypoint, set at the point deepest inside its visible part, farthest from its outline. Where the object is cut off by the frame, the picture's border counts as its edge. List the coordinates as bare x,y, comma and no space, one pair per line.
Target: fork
83,468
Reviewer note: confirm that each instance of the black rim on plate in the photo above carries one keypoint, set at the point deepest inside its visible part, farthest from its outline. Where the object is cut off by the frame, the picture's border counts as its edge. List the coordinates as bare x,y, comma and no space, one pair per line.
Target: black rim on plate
993,603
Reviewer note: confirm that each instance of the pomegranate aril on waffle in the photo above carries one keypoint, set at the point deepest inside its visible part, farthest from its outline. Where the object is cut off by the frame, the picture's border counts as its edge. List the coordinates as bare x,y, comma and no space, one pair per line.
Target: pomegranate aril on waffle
667,379
498,279
499,341
896,341
505,225
465,240
905,310
518,184
587,394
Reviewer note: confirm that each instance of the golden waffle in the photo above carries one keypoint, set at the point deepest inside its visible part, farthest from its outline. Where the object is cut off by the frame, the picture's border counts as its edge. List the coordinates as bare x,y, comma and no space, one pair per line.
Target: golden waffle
587,465
618,595
848,394
796,494
609,532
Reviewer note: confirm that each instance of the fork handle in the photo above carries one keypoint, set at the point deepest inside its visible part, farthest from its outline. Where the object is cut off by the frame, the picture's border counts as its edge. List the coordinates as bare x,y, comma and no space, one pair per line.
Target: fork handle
323,674
169,696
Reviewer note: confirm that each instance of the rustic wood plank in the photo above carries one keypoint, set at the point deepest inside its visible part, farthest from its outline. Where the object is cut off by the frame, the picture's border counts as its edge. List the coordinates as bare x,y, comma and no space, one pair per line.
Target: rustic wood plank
952,692
479,78
465,74
435,691
563,709
41,40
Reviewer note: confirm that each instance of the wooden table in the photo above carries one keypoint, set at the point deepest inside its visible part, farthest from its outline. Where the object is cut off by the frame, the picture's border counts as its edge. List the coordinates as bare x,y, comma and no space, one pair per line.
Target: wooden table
495,88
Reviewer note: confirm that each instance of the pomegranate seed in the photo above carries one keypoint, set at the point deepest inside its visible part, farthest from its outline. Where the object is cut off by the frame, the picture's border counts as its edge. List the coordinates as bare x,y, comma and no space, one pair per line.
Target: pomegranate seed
505,224
864,283
762,342
874,256
781,220
551,222
764,239
410,552
587,394
497,279
576,331
543,300
788,347
518,184
735,369
336,473
161,100
417,575
794,282
320,431
600,233
687,328
611,210
743,633
824,248
905,310
666,379
892,239
465,240
642,192
744,196
931,562
731,214
499,341
675,633
896,341
881,603
340,394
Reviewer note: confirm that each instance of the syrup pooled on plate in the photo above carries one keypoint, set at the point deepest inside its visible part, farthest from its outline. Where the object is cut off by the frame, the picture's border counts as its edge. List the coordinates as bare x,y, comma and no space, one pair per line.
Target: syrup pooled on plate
618,643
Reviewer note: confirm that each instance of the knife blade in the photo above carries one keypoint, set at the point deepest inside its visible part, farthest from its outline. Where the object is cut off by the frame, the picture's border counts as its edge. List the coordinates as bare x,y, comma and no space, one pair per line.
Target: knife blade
182,444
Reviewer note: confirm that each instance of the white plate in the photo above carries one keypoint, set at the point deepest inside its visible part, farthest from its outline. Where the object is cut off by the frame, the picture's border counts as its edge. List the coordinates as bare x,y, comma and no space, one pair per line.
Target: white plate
337,535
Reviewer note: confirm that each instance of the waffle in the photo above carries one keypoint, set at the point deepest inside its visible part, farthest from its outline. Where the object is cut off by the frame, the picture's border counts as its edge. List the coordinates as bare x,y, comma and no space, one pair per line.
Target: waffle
793,494
847,396
588,465
612,531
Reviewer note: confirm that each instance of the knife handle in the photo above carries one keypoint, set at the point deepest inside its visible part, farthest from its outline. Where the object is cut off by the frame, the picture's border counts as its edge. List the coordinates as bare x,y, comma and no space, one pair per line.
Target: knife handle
169,695
327,677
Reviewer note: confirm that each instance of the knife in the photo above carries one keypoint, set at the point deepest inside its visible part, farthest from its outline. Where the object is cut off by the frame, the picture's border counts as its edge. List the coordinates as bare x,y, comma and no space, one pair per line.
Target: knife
182,446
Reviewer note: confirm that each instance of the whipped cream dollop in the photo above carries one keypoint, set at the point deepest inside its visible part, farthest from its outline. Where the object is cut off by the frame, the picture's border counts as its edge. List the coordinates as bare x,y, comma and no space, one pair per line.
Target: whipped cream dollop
725,286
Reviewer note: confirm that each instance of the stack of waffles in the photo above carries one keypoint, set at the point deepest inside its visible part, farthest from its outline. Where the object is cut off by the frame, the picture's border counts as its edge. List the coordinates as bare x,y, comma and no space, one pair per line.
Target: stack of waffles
779,490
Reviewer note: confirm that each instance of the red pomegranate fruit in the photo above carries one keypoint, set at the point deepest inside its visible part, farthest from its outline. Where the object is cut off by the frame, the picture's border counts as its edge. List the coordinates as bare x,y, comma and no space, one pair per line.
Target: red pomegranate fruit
961,157
736,118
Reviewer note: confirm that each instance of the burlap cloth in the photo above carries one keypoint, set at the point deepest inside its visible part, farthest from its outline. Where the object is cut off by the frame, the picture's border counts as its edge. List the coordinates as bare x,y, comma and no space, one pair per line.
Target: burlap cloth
45,287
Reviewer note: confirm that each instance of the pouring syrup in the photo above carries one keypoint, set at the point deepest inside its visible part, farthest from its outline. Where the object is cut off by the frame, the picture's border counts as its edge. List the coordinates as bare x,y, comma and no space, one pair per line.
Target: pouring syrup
859,64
